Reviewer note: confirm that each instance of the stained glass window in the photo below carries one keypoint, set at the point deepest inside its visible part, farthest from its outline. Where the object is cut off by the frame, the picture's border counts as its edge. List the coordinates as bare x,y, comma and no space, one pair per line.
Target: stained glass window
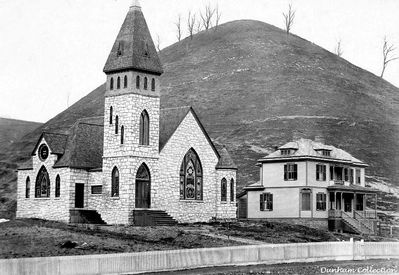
110,115
138,82
42,187
145,83
27,189
118,83
191,177
223,190
57,186
115,183
232,190
125,82
144,138
153,84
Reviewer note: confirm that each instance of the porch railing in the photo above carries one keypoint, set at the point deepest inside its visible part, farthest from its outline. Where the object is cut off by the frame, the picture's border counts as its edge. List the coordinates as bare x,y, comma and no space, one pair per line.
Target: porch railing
360,221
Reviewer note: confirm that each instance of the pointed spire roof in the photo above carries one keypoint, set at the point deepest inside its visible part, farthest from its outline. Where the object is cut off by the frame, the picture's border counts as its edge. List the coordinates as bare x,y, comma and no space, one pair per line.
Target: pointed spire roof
133,47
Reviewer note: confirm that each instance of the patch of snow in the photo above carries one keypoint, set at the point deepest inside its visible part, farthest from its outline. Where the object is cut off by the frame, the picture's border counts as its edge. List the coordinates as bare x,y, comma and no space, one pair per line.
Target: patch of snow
3,220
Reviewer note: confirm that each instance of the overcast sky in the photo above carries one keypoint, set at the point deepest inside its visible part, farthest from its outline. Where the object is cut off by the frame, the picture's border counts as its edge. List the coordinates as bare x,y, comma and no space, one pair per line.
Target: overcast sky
52,52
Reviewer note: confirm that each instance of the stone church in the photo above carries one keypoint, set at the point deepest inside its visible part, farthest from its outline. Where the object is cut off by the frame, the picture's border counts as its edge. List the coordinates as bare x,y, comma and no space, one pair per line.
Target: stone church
138,164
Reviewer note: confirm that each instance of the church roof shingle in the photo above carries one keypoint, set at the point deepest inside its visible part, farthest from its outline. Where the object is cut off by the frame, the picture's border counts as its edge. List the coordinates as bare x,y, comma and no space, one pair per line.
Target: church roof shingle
55,141
133,47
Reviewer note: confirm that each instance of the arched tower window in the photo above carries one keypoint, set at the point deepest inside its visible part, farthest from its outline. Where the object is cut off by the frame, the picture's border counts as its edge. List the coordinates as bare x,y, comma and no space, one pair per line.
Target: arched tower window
138,82
153,84
191,177
118,83
232,189
110,114
57,186
115,183
111,83
42,187
125,82
144,138
116,124
223,190
145,83
122,134
27,188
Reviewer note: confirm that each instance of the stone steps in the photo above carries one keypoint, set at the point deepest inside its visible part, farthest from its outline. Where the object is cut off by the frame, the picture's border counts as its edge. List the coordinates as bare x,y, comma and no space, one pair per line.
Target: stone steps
147,217
86,216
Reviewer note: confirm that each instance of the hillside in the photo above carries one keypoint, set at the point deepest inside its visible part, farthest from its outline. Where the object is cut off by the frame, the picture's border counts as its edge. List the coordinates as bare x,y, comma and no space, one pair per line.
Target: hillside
254,88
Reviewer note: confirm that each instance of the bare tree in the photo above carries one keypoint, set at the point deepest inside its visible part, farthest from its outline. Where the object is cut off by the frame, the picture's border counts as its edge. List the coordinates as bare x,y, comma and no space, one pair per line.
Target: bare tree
206,17
387,53
198,26
191,24
289,19
158,45
178,27
338,49
218,14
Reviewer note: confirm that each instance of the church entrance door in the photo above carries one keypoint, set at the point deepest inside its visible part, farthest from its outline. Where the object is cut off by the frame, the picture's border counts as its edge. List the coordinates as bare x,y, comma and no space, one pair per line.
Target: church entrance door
143,187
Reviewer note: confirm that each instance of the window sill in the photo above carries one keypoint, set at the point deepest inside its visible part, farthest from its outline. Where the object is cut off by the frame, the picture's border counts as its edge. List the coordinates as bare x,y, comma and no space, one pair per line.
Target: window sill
291,180
144,146
192,201
320,210
42,198
266,210
115,198
97,195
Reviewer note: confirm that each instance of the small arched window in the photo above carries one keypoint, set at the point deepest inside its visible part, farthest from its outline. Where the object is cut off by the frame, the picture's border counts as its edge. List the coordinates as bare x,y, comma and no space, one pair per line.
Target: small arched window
115,183
191,177
42,187
111,83
223,190
57,186
116,124
125,82
138,82
144,138
122,134
118,83
27,188
153,84
110,114
232,190
145,83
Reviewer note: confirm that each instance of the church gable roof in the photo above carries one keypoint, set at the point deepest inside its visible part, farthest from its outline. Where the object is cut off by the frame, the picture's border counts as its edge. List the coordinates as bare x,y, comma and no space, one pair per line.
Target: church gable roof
169,120
225,160
55,141
134,47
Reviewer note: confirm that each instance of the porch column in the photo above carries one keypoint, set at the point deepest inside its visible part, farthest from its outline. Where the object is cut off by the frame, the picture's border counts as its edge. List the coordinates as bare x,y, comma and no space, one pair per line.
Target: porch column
342,202
354,204
375,206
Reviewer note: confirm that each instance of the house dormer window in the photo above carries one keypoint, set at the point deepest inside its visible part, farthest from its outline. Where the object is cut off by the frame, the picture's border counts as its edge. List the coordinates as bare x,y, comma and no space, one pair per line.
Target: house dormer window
325,153
285,152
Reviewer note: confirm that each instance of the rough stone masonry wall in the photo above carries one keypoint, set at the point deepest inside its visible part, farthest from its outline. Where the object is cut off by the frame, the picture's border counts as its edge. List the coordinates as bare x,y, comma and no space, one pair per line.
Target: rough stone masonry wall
50,208
226,209
166,191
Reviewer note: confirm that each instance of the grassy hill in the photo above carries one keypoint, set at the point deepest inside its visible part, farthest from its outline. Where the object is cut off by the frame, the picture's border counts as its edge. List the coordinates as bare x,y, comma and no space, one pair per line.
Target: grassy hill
254,88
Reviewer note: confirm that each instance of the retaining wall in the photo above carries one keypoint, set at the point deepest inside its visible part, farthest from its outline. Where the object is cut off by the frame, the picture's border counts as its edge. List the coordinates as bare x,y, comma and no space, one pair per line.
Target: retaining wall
194,258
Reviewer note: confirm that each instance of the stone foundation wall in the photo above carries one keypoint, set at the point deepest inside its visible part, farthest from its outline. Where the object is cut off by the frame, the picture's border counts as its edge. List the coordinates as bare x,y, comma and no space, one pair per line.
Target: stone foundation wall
309,222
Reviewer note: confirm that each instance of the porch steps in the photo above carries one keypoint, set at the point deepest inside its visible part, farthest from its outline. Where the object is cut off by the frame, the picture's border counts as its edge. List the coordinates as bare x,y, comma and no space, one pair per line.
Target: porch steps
356,225
85,216
149,217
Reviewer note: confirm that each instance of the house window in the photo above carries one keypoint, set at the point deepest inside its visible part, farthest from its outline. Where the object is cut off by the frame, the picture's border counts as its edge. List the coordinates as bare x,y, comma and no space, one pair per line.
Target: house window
351,177
321,172
290,172
232,190
223,190
191,177
122,134
326,153
42,187
346,174
115,183
138,82
285,152
125,82
331,172
97,189
153,84
27,188
57,186
305,200
116,124
145,83
118,83
111,83
358,179
144,138
266,202
110,114
321,201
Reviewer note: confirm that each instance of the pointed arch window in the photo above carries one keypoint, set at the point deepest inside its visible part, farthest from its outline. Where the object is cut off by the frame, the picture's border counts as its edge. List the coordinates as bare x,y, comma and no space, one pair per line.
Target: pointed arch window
118,83
27,188
191,177
122,134
223,190
110,114
232,189
111,83
153,84
57,186
138,82
145,83
116,124
42,187
125,82
144,138
115,183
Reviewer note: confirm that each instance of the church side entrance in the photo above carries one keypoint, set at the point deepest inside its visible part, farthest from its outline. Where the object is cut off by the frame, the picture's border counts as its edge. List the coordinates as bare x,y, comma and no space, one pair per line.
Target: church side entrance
143,187
79,195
